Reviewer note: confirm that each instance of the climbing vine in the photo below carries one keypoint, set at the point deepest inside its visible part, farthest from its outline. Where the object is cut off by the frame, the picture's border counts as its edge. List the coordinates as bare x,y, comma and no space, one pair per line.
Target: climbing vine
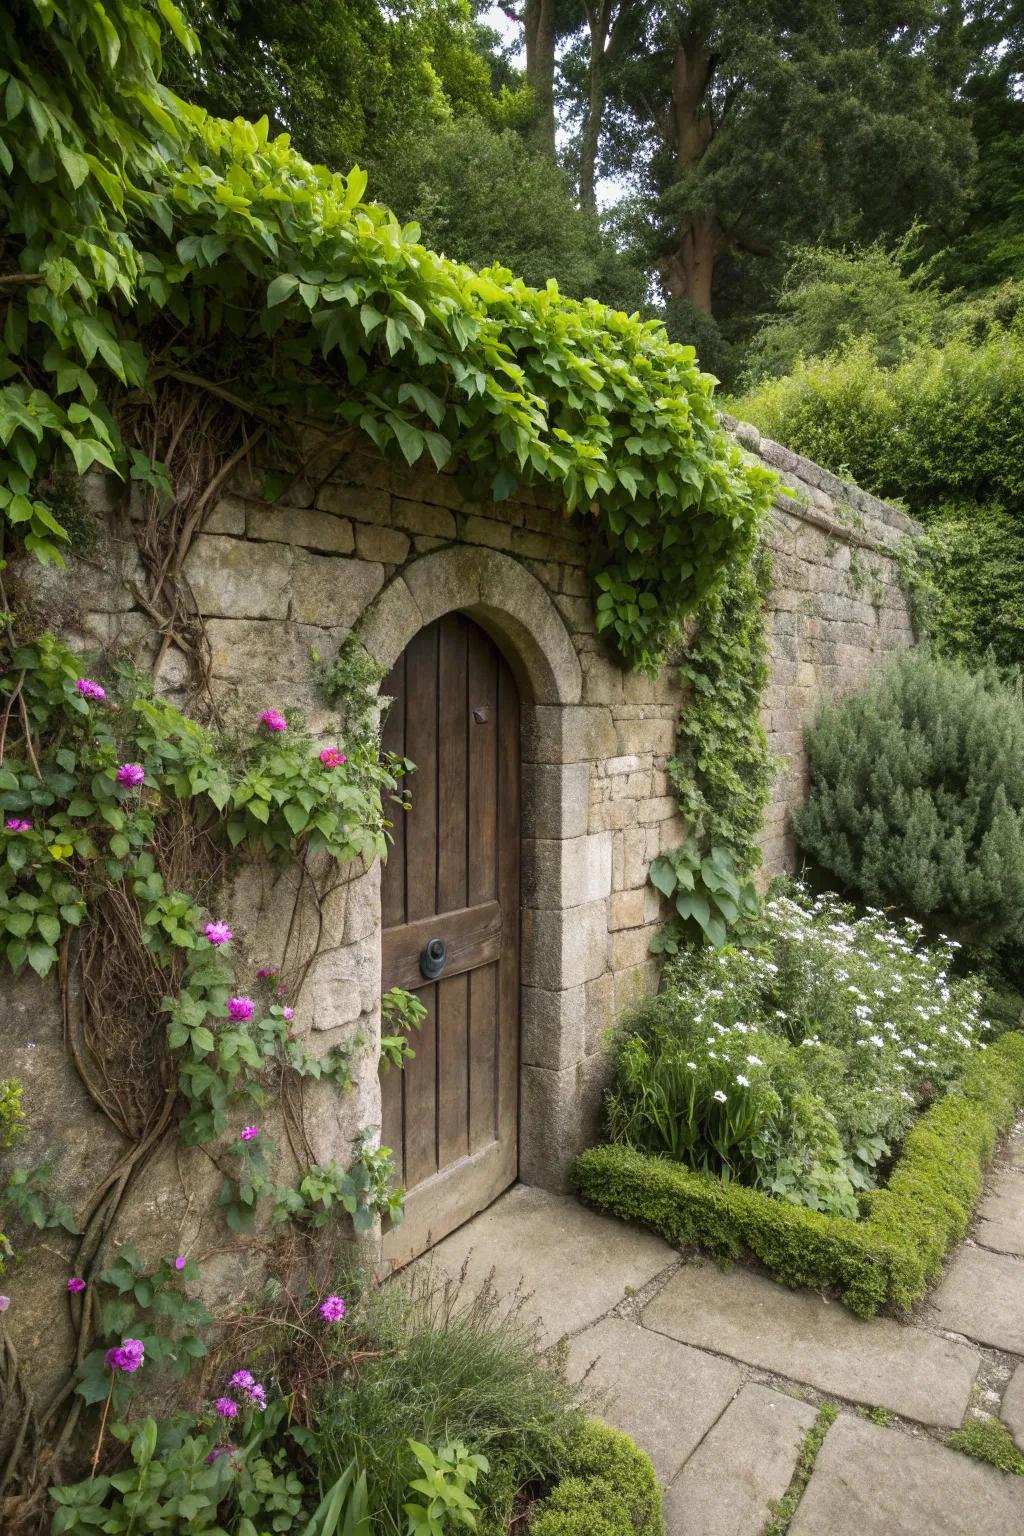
149,245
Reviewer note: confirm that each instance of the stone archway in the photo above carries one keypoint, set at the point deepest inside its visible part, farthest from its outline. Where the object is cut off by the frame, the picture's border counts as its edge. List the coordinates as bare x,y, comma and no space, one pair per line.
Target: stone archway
560,876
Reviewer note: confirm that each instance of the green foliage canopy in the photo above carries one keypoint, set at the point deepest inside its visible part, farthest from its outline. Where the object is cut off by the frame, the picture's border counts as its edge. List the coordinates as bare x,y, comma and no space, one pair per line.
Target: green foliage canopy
151,238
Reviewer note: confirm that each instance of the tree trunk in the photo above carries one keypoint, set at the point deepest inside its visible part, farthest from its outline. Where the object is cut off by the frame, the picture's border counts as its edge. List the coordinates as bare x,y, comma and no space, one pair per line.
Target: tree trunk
688,271
591,136
539,22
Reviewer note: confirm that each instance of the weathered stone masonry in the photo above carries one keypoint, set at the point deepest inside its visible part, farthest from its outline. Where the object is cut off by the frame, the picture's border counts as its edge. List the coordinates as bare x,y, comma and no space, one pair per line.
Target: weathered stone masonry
383,551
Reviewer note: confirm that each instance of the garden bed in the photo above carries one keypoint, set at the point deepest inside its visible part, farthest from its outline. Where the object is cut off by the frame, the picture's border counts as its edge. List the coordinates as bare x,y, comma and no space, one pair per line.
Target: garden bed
689,1148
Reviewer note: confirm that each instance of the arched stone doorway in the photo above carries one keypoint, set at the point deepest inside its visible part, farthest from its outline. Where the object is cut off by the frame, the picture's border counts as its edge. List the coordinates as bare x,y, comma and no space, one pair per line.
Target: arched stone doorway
493,593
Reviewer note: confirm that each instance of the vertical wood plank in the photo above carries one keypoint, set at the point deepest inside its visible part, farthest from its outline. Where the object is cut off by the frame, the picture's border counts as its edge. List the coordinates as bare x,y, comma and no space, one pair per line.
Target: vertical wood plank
452,767
421,747
483,1019
507,1087
392,879
482,810
420,1113
452,1069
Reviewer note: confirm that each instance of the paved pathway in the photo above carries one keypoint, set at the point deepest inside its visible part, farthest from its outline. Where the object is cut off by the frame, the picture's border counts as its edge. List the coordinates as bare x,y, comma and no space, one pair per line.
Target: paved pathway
719,1375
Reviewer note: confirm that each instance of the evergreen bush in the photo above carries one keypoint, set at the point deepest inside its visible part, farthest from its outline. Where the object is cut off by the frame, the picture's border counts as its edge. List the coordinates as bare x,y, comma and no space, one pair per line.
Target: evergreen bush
917,796
611,1490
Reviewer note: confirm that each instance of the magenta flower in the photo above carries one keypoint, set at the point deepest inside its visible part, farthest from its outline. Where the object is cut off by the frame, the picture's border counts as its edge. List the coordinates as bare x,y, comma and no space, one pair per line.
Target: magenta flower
265,971
180,1261
273,721
331,757
289,1013
5,1302
226,1408
249,1132
219,1451
240,1009
242,1379
17,824
218,933
257,1395
127,1356
131,774
90,690
332,1310
76,1284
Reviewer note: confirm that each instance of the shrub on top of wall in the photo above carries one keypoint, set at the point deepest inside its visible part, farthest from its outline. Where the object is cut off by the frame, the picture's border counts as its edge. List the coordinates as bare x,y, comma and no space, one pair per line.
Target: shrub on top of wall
610,1490
891,1256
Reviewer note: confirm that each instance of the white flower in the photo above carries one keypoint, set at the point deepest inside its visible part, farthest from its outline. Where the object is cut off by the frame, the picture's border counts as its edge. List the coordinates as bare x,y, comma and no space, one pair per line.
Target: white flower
876,1041
743,1082
754,1061
692,1066
719,1095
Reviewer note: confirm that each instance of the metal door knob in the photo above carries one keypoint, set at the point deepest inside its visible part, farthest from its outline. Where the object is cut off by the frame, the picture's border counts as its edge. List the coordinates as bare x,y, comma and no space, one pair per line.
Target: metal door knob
434,958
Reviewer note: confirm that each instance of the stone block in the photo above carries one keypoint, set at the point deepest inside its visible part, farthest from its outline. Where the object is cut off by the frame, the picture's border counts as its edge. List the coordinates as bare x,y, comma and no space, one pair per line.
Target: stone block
559,1115
982,1297
727,1486
331,590
555,799
654,734
571,734
369,504
293,525
227,516
491,535
562,949
553,1027
387,545
630,947
568,871
635,983
421,517
234,579
600,1011
390,623
627,909
264,650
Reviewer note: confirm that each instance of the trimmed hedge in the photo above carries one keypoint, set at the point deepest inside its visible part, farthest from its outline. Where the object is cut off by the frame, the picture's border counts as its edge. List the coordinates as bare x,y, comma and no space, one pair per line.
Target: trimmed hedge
892,1255
610,1490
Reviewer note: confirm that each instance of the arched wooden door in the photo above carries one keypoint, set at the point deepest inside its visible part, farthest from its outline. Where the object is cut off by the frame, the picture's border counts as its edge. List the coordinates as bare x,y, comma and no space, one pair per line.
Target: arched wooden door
451,1116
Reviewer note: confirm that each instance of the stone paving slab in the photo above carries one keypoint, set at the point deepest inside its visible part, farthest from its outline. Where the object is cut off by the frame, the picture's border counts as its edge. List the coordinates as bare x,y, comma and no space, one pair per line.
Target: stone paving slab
982,1297
795,1333
1012,1411
869,1481
747,1461
664,1394
576,1264
1001,1214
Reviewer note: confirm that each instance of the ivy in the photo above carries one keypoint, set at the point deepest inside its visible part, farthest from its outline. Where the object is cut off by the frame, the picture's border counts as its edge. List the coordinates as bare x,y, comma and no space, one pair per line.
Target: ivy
153,241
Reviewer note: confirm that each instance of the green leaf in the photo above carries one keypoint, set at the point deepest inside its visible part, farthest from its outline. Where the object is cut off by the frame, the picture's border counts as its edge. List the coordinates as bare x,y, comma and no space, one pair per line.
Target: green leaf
281,288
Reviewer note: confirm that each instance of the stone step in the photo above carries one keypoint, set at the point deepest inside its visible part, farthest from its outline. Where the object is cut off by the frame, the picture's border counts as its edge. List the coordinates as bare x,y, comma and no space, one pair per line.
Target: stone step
869,1481
746,1462
982,1297
1001,1214
799,1335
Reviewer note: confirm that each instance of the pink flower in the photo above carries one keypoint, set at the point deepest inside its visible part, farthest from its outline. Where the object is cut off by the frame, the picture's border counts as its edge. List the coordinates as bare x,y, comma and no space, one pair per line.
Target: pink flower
273,721
331,757
5,1302
226,1408
265,971
218,933
289,1013
332,1310
180,1261
250,1132
131,774
76,1284
90,690
219,1451
240,1009
243,1379
127,1356
17,824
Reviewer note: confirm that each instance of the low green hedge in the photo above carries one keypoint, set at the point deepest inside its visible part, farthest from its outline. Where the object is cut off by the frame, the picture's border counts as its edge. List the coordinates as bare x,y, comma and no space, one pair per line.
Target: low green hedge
892,1255
610,1490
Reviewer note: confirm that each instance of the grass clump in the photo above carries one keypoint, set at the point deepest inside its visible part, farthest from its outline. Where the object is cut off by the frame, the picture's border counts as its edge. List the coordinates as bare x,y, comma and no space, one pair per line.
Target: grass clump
610,1490
434,1365
986,1439
785,1508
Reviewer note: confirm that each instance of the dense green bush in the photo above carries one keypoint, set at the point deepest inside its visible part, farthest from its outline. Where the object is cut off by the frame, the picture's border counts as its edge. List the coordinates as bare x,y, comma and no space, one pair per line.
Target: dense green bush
795,1065
917,796
438,1365
893,1255
611,1490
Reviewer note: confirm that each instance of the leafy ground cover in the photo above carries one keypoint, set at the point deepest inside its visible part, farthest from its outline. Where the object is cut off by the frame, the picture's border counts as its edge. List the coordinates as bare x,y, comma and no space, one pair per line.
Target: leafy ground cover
412,1408
826,1098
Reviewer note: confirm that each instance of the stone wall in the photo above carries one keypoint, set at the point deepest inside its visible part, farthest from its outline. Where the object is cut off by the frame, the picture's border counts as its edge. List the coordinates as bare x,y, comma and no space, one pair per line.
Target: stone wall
384,550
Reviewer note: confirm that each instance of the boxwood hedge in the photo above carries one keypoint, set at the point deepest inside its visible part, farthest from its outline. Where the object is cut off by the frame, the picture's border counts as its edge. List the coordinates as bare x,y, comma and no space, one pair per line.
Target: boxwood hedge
610,1490
890,1256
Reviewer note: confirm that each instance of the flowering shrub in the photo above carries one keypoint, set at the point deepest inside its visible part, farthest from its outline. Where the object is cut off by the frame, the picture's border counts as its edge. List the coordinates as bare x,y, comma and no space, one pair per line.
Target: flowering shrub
798,1065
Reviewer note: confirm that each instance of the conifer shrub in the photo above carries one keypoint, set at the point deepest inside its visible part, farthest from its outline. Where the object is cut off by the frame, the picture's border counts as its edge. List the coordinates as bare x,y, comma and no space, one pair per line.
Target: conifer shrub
917,796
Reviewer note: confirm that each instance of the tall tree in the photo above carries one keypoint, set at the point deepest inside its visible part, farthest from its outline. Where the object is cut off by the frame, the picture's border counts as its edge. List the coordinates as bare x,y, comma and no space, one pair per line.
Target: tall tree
612,30
749,123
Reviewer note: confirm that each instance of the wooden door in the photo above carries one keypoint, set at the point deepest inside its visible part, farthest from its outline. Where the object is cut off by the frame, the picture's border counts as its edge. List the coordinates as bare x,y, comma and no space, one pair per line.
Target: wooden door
451,1115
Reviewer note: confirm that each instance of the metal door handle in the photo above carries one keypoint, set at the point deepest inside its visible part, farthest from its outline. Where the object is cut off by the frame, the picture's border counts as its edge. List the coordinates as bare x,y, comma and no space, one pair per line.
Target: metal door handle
434,958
